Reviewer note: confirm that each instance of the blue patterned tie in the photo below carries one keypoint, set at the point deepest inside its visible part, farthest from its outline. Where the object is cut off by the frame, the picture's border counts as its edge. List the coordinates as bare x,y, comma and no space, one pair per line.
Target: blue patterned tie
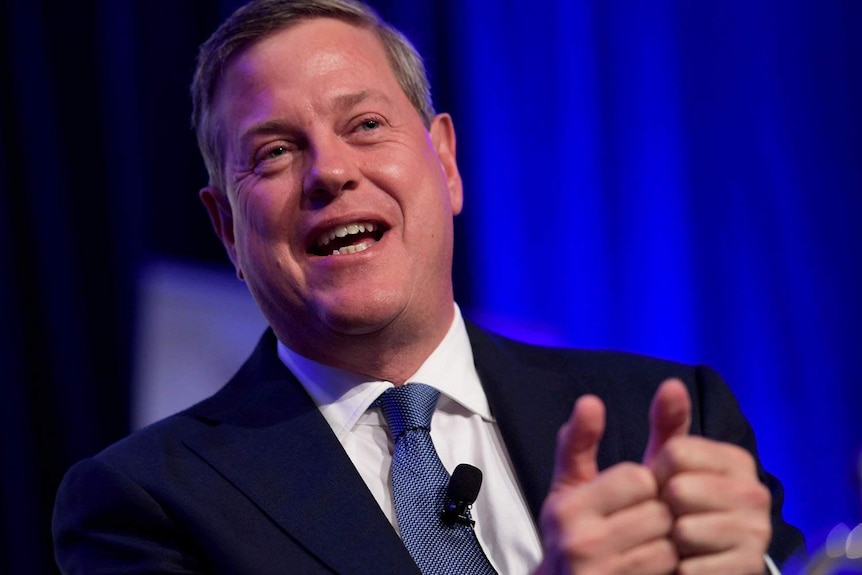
419,483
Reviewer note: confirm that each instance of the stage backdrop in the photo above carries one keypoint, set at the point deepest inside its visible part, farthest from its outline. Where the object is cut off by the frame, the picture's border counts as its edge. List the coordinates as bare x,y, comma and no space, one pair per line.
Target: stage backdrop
674,178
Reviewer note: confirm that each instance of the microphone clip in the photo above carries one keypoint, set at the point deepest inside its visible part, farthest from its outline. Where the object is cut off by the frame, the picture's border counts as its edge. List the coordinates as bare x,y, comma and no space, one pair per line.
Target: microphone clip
462,492
457,512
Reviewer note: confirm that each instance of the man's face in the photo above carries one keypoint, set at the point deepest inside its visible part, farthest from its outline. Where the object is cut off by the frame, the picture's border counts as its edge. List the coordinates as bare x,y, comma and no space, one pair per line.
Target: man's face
339,202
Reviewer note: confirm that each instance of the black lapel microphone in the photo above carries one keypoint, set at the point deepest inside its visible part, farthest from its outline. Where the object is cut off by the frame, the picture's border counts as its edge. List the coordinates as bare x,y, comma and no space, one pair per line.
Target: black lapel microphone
462,492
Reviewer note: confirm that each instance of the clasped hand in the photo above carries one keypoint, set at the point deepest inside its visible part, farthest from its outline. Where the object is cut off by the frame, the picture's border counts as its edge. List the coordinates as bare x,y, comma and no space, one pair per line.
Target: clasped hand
693,506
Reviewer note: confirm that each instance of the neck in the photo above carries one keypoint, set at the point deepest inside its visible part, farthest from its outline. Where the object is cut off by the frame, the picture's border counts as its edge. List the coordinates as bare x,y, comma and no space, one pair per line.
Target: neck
392,353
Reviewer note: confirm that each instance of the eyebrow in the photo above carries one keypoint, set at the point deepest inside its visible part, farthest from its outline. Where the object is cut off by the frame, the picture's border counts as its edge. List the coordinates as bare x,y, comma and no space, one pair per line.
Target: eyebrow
245,139
265,127
352,99
347,101
340,102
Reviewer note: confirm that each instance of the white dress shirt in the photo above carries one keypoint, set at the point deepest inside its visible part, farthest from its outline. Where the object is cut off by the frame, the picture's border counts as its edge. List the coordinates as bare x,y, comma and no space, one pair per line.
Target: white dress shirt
462,429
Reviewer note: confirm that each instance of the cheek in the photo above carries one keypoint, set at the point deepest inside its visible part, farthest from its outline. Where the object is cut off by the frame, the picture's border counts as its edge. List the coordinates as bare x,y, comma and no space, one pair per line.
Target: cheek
264,242
414,178
264,212
390,169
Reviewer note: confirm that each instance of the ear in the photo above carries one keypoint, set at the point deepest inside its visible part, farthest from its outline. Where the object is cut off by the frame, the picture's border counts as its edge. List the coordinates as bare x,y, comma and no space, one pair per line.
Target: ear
221,218
443,139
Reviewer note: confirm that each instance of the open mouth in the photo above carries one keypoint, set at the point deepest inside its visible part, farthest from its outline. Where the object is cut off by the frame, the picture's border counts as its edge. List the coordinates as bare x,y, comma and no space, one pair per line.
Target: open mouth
347,239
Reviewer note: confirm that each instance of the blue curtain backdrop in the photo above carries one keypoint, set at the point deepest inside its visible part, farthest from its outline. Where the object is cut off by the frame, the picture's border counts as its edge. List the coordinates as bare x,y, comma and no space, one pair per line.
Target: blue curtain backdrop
683,180
675,178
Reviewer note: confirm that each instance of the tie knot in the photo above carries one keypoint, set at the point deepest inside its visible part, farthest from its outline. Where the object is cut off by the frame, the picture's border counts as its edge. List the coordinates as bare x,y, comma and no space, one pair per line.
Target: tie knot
408,407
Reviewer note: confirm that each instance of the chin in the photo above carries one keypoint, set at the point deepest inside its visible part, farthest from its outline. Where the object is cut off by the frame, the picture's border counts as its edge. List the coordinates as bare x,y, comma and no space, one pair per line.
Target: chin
365,318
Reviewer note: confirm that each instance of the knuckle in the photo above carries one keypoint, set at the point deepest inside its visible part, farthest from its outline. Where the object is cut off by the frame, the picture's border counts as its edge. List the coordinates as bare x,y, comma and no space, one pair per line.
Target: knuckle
674,491
661,514
754,499
758,496
742,459
638,476
585,542
660,557
762,531
683,531
572,530
675,449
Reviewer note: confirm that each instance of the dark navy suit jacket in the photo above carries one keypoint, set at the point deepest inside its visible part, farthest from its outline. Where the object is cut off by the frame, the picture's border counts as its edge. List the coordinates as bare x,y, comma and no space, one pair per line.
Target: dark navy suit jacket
253,481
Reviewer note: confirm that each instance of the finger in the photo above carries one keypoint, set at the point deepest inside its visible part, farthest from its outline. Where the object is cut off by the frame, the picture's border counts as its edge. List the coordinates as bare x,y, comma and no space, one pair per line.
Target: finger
702,455
656,557
640,523
615,489
710,533
696,492
732,561
669,415
590,525
578,442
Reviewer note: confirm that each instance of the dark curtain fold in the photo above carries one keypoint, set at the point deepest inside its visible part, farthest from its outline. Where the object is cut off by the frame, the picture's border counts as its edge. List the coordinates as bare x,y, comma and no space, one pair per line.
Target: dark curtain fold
68,266
681,179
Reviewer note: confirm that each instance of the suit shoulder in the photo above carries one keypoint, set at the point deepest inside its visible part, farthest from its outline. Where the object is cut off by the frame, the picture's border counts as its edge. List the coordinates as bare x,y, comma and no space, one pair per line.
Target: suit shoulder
609,363
149,446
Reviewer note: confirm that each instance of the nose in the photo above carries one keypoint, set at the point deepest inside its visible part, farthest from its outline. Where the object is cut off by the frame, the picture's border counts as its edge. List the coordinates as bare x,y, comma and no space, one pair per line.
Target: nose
331,170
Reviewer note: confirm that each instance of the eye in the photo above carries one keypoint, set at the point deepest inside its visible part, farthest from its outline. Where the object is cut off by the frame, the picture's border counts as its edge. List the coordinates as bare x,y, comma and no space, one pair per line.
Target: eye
369,124
275,152
272,151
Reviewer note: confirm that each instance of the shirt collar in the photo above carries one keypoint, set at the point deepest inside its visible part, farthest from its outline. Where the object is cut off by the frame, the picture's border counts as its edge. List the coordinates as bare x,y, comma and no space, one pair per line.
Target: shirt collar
344,396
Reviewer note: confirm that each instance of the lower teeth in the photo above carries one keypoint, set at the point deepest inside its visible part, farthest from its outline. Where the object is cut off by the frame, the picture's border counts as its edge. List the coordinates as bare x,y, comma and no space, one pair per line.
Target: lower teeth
350,249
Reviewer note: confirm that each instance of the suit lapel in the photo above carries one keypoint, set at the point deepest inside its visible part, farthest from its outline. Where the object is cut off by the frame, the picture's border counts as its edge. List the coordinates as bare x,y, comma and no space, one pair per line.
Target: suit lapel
270,441
531,399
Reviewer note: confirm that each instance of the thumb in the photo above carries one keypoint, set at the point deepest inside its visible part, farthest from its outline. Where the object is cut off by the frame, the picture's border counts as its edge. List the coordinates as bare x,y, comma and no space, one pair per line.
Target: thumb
578,442
669,416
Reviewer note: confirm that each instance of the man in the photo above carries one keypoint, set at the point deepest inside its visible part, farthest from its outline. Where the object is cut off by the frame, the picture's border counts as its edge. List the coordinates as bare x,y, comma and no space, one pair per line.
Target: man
333,186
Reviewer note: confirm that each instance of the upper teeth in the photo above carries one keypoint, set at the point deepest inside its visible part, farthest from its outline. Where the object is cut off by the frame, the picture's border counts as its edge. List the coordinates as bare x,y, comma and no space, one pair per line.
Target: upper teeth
344,231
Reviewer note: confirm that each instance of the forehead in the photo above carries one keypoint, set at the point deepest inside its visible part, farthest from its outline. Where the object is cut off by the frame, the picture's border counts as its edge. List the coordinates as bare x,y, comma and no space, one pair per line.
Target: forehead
306,63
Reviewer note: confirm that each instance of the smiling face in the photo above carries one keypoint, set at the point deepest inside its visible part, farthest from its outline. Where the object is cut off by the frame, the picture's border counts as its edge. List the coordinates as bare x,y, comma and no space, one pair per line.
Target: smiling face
339,202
